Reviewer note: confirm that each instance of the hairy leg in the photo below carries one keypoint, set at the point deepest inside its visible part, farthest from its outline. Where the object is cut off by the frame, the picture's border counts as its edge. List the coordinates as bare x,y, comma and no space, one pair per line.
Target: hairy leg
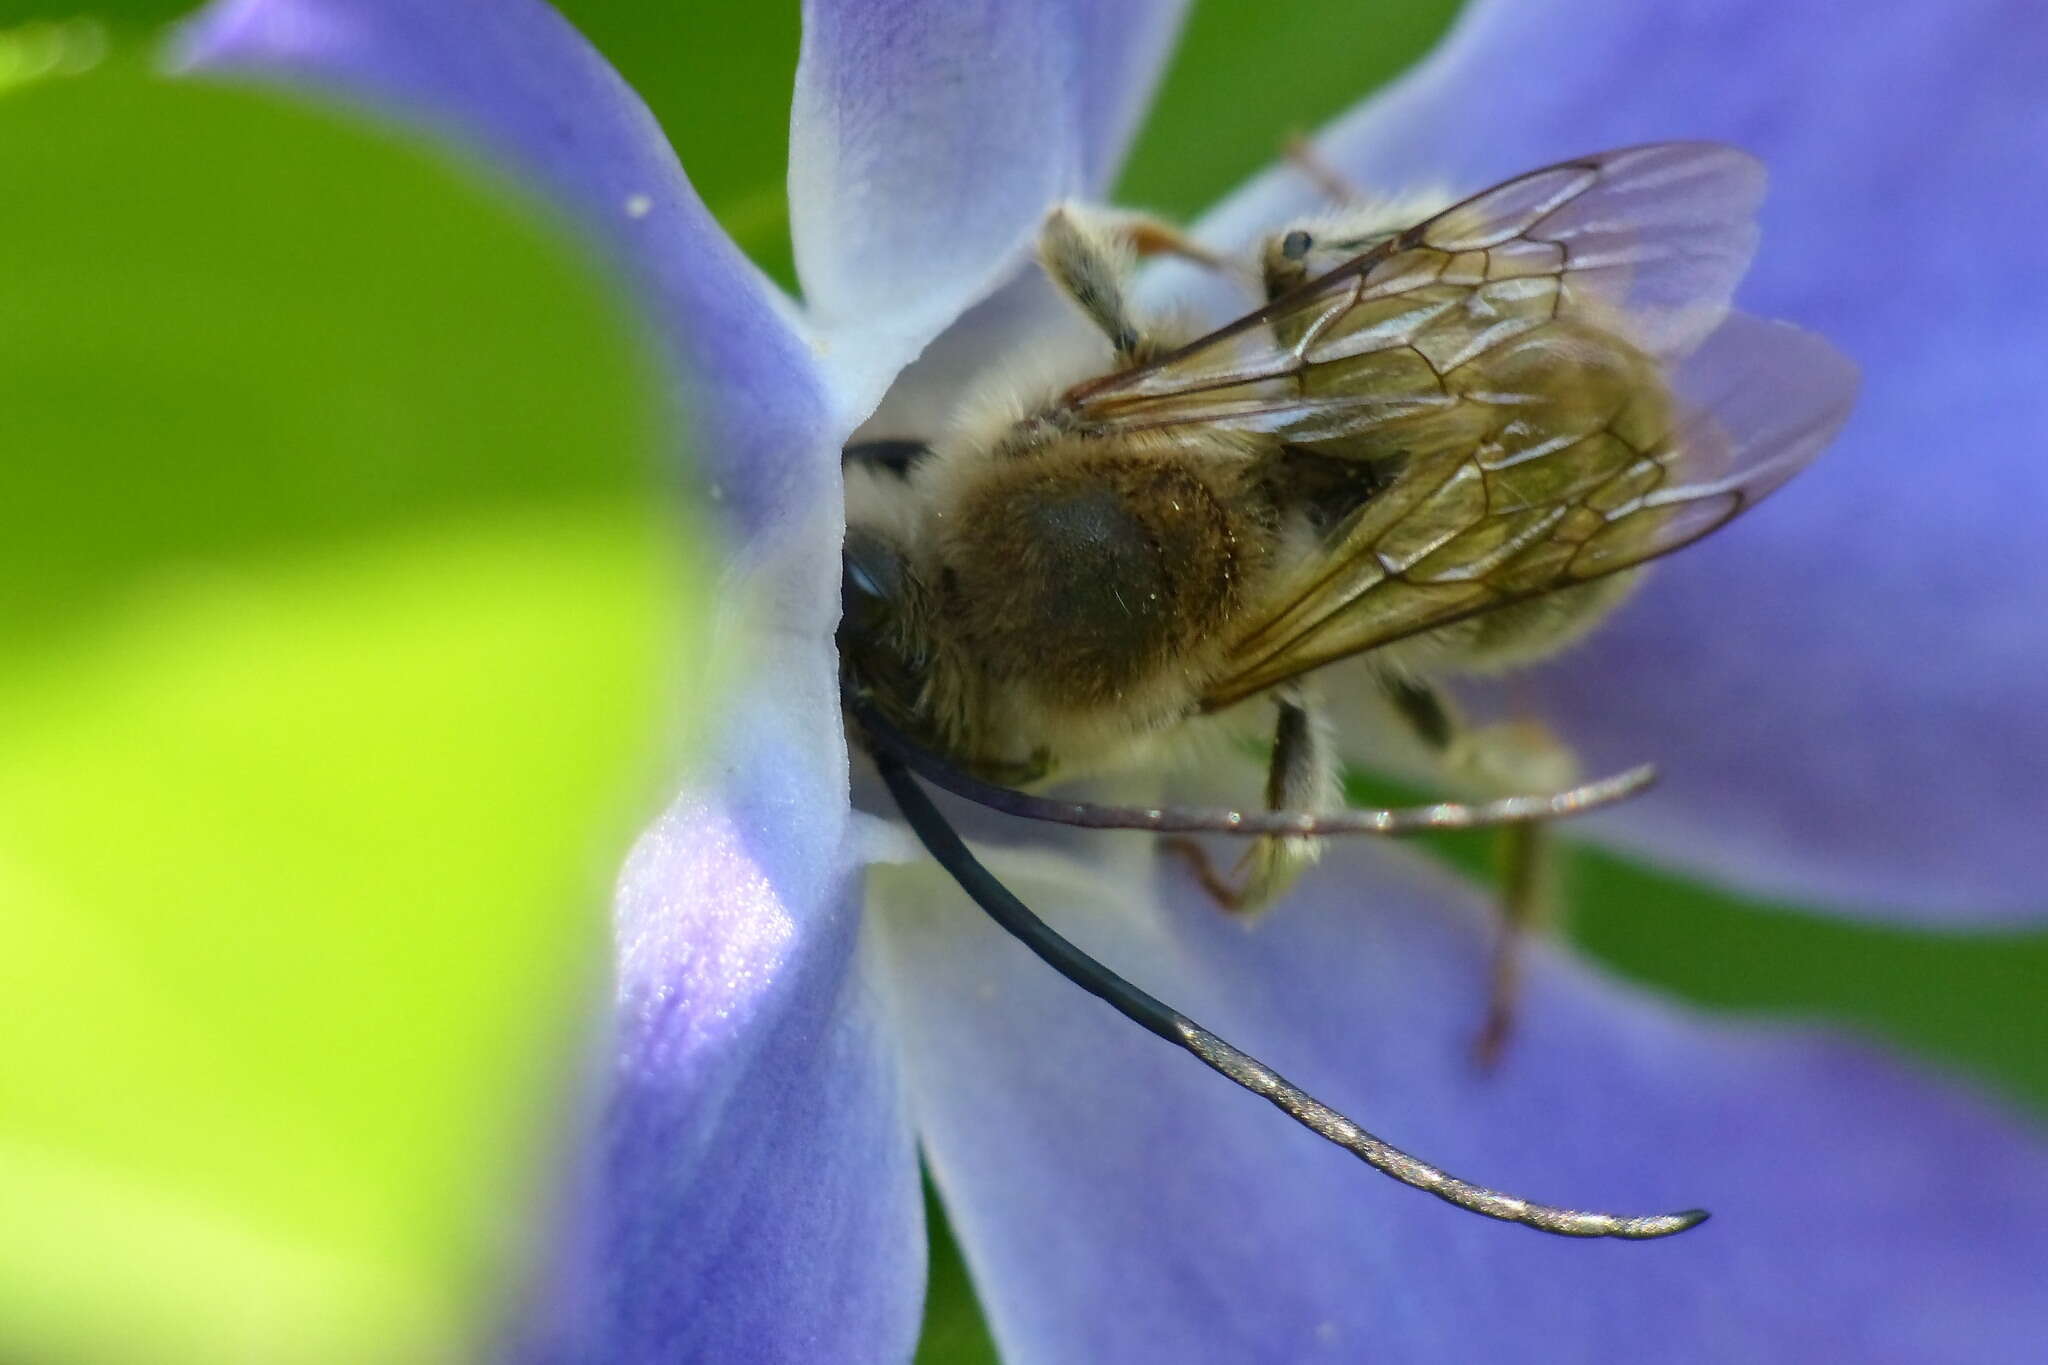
1302,776
1090,254
1518,756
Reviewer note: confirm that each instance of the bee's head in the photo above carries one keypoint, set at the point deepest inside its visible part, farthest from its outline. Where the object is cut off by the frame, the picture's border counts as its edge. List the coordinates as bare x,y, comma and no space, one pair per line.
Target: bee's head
872,577
1314,246
879,637
880,611
1289,259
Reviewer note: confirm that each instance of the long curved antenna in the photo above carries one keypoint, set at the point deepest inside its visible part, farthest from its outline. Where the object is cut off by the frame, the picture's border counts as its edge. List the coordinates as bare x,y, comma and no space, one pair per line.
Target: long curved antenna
1141,1009
1393,821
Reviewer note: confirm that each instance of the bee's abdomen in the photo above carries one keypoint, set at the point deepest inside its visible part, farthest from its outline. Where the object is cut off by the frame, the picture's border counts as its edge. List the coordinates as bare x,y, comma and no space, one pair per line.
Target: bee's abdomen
1082,574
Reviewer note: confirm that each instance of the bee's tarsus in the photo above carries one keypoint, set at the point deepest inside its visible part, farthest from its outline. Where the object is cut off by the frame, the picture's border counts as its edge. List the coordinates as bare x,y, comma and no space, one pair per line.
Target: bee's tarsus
1154,1016
1526,874
1202,868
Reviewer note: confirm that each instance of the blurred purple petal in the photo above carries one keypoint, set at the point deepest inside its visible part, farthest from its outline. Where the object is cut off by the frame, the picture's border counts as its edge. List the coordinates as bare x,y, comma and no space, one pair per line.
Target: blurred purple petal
1843,690
757,1194
512,79
929,139
1117,1201
1120,53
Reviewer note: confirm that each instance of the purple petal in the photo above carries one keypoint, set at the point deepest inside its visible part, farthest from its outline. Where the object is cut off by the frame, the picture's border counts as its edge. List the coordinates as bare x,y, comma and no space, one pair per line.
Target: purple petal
929,139
758,1197
1120,53
511,78
754,1191
1117,1201
1842,690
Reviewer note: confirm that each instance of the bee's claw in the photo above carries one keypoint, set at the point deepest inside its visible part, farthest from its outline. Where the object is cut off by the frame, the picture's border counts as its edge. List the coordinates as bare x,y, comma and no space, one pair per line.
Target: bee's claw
1229,898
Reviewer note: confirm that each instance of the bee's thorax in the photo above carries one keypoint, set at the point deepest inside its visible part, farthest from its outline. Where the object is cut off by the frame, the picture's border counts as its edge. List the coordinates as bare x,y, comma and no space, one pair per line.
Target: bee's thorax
1083,573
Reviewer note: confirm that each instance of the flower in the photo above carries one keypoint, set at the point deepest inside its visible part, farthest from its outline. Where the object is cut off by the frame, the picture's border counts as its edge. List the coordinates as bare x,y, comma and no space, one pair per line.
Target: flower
782,1058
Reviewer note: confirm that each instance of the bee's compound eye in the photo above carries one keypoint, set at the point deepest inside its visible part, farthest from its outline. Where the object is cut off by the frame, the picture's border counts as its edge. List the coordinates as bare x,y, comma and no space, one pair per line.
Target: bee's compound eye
871,572
1295,244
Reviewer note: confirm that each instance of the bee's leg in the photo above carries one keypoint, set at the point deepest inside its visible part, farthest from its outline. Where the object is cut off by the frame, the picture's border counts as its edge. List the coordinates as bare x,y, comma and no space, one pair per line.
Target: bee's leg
1150,236
1528,906
1332,182
1090,255
1302,776
1513,756
1092,267
1140,235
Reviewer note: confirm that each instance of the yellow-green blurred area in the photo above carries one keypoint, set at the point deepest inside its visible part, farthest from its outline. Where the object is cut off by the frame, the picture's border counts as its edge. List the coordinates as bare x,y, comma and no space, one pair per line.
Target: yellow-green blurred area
346,629
343,640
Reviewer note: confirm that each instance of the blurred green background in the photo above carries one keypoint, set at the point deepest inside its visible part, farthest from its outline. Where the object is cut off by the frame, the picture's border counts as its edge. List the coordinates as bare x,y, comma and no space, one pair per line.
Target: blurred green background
718,74
349,629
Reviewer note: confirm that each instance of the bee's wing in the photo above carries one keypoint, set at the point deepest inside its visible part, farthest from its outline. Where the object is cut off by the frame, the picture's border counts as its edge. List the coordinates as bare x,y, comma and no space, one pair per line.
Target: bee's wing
1549,377
1647,242
1745,411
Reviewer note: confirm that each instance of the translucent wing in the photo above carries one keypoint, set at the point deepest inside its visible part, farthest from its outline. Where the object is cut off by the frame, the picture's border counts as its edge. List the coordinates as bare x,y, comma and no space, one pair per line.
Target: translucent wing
1579,500
1645,243
1548,378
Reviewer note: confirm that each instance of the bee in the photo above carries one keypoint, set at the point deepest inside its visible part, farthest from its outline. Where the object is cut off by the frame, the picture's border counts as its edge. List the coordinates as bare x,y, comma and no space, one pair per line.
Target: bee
1444,445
